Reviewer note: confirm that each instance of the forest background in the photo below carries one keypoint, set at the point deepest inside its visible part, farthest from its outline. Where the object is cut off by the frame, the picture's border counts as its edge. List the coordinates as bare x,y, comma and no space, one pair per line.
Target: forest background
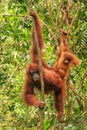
15,44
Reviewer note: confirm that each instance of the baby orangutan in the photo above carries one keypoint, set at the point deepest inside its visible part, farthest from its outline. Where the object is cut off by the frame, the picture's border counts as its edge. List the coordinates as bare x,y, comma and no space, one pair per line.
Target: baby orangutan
54,77
66,60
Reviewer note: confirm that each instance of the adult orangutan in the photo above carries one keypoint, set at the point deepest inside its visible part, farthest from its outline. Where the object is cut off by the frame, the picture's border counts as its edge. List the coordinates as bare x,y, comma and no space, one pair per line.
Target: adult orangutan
54,77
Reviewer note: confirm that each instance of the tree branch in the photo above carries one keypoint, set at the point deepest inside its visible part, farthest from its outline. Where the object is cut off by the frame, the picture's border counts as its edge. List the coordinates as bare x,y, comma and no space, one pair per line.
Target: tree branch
41,78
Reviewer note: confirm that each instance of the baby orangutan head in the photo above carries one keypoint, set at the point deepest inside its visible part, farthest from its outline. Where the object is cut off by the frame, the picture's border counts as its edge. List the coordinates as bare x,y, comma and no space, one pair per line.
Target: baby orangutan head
70,59
65,62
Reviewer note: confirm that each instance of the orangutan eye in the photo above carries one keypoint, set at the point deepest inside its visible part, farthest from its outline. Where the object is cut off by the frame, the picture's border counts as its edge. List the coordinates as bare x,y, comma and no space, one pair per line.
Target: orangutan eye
33,71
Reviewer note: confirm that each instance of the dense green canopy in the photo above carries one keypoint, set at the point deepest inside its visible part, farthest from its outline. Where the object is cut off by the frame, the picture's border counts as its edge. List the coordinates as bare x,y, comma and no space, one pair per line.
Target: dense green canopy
15,44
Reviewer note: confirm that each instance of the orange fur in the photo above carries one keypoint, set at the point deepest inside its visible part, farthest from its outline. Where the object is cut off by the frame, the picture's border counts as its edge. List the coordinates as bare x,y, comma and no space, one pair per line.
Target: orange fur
66,60
54,77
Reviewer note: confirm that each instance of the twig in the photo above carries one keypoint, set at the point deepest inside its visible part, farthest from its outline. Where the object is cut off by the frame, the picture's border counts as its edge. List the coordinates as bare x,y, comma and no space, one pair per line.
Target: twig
50,31
78,97
83,79
14,15
73,90
9,79
13,73
41,78
73,19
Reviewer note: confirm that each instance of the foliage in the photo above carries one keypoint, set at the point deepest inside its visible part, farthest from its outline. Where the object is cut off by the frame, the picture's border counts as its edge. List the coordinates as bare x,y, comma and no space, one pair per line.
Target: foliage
15,43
